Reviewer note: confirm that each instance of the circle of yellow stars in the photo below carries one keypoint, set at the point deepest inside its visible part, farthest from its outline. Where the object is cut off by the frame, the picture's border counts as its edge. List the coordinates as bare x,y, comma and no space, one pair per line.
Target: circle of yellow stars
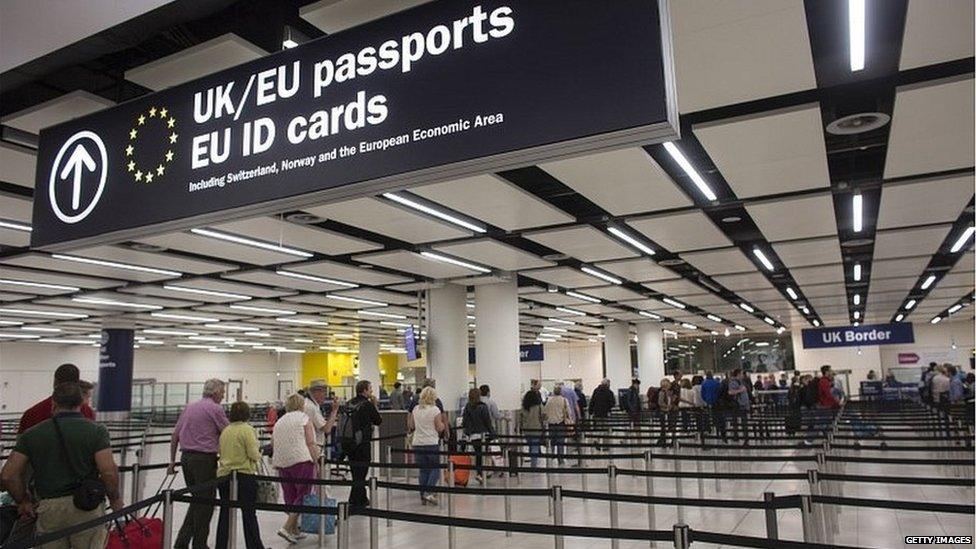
168,123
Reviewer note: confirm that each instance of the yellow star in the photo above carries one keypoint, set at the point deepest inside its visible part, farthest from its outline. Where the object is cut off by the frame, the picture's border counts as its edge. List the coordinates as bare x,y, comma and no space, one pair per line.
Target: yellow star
128,150
160,169
169,156
131,165
152,112
142,119
170,122
172,137
149,177
139,175
162,112
133,133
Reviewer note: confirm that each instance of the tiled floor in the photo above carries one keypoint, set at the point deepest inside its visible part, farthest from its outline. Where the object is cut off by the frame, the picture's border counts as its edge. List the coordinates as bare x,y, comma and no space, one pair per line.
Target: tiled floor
858,526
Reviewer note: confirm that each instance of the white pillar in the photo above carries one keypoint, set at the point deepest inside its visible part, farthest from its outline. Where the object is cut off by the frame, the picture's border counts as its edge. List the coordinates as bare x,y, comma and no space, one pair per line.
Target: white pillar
650,353
497,342
369,362
447,343
616,349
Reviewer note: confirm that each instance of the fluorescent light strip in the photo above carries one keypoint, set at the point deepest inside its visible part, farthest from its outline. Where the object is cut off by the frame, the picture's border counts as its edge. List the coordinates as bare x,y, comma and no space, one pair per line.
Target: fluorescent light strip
911,303
220,350
210,338
114,303
769,321
792,293
233,327
584,297
805,310
434,212
44,329
857,315
900,317
302,321
955,308
190,318
857,299
763,259
857,204
356,300
300,340
936,320
554,329
740,328
10,323
961,241
673,303
395,324
622,235
601,275
198,291
762,344
15,226
313,278
649,314
561,321
64,341
780,330
928,282
816,322
265,310
713,318
670,332
19,336
452,261
689,170
856,20
32,312
857,272
115,265
384,315
169,332
148,342
745,307
250,242
7,281
193,346
570,311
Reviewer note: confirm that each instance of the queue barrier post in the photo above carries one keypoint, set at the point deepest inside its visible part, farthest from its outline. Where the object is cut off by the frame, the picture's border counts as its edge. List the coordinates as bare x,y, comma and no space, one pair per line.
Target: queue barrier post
374,534
167,519
677,481
557,514
648,467
820,520
320,490
508,499
772,525
389,479
135,482
806,515
451,532
232,512
342,525
612,488
682,536
548,467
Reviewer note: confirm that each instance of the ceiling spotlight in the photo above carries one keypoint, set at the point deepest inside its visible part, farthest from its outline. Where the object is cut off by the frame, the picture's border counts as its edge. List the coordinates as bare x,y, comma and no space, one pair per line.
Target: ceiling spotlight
816,322
857,315
936,320
769,321
955,308
713,318
961,241
689,170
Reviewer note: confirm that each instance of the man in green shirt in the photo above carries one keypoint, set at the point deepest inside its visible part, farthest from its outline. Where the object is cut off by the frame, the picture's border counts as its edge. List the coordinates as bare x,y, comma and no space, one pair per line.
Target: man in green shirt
58,470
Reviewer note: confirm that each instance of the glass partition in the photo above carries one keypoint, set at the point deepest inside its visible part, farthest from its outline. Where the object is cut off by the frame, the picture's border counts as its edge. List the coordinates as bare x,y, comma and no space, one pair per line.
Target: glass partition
755,353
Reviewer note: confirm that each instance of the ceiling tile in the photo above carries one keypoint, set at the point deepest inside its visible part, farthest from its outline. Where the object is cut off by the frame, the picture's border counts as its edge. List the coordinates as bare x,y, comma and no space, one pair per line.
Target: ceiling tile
681,232
303,237
679,287
818,275
944,200
807,217
909,242
15,208
17,165
612,293
48,263
770,153
716,262
937,31
809,252
562,276
333,16
349,273
493,253
584,243
218,249
410,262
639,269
389,220
891,268
744,281
269,278
195,62
55,111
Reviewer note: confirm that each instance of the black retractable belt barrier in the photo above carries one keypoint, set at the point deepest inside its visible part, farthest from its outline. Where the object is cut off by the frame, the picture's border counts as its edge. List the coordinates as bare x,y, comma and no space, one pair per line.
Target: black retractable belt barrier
898,461
898,505
278,507
933,481
763,543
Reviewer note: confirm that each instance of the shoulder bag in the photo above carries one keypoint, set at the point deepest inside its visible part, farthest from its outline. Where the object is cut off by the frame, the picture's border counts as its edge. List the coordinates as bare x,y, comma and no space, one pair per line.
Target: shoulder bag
90,492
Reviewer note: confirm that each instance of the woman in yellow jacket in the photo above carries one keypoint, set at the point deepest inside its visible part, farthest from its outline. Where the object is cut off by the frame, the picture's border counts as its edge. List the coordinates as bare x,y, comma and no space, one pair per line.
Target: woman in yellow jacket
239,452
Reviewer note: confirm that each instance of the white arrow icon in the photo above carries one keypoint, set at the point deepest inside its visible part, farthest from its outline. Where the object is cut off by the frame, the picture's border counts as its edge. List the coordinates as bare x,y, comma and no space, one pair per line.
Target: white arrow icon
79,159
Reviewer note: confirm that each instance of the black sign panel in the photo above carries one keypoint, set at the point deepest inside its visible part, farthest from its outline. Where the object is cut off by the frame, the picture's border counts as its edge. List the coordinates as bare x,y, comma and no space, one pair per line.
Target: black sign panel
447,89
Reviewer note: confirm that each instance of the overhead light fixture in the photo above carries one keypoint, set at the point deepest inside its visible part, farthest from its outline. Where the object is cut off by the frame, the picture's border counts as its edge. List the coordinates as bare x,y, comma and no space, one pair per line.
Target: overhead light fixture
780,330
233,327
911,303
856,21
198,291
356,300
227,237
396,324
649,314
689,170
857,272
15,226
222,350
291,38
961,241
116,265
191,318
68,341
790,292
114,303
601,275
210,338
805,310
928,282
445,259
816,322
368,312
713,318
745,307
629,239
689,325
34,312
169,332
769,321
312,278
858,203
955,308
673,303
584,297
857,315
936,320
19,336
10,323
26,284
440,214
740,328
193,346
263,310
40,329
300,340
567,310
762,344
856,324
900,317
561,321
302,321
554,329
670,333
763,259
857,299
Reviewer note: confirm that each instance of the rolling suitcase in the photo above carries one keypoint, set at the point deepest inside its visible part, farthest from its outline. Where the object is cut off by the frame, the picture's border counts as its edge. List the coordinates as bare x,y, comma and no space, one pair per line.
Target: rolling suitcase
461,476
136,533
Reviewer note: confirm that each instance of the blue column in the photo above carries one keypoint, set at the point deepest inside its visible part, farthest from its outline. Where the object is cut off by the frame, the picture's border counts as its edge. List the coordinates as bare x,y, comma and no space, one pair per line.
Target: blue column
115,371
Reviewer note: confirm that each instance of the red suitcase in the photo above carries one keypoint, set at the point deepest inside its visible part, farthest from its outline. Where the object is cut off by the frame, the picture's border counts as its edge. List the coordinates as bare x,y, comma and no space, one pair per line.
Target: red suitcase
137,533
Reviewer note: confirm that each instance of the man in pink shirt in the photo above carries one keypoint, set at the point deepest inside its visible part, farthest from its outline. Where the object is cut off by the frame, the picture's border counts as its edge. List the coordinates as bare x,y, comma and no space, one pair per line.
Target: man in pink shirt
197,434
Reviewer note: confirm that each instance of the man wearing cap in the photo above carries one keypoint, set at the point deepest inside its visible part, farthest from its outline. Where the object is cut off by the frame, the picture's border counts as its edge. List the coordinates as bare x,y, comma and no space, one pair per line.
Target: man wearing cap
316,392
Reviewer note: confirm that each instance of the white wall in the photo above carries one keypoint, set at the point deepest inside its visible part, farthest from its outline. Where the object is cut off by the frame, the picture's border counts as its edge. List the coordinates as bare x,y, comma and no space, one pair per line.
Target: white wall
567,361
26,369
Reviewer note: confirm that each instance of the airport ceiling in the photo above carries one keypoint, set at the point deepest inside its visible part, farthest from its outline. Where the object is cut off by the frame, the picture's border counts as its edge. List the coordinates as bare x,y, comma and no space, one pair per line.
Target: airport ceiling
803,227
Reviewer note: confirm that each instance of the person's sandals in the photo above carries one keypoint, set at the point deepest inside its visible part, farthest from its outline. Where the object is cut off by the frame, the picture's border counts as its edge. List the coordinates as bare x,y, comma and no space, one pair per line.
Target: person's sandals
287,536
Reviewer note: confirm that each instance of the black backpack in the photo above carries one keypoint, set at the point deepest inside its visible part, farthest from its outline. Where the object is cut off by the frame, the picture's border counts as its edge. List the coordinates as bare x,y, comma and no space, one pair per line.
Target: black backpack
350,425
811,393
724,400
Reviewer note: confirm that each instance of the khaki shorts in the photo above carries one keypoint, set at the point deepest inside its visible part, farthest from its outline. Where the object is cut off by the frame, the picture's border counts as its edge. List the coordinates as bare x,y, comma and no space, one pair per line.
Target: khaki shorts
57,513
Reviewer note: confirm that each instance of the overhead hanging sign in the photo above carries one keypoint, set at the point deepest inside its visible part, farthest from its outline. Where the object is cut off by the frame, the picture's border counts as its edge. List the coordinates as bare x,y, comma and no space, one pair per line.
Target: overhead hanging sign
444,90
533,352
859,336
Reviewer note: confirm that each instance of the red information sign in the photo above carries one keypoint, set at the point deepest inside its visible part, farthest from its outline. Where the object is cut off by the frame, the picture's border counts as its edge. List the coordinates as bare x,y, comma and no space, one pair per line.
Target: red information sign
908,358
